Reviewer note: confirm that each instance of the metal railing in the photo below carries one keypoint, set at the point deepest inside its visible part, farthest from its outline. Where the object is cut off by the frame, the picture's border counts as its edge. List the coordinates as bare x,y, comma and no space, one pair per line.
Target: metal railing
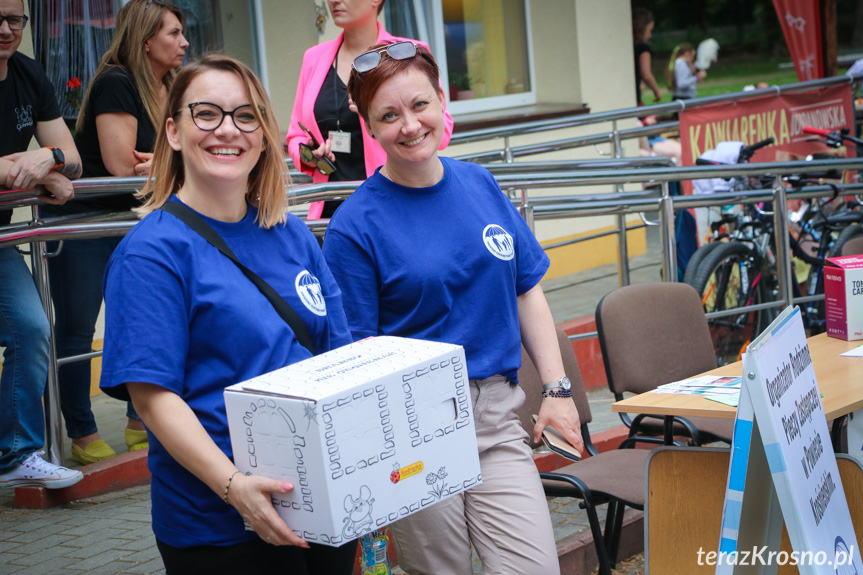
37,231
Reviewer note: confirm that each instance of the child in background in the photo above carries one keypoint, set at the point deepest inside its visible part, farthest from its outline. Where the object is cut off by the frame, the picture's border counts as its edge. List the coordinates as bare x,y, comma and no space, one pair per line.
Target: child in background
681,76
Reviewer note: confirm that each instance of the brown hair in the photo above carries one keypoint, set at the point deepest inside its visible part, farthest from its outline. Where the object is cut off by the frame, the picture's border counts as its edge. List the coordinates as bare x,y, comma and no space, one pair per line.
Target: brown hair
269,179
362,87
137,22
381,6
641,18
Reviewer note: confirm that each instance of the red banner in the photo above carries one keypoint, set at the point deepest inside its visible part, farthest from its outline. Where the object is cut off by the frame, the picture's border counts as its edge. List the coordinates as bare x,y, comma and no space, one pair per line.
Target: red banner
779,117
801,24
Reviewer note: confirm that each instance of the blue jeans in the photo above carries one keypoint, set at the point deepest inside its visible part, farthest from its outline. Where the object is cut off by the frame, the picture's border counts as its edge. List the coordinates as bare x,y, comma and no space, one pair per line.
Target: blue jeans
76,289
25,334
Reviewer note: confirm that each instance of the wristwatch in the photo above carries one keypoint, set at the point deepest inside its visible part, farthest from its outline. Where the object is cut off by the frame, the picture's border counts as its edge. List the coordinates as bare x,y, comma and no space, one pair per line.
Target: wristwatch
59,158
563,382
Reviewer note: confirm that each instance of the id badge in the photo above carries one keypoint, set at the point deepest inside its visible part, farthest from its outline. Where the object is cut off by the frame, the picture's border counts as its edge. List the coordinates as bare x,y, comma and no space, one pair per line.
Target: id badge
341,141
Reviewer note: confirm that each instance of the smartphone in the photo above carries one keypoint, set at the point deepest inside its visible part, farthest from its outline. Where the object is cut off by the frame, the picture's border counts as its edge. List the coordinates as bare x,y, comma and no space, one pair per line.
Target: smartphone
558,443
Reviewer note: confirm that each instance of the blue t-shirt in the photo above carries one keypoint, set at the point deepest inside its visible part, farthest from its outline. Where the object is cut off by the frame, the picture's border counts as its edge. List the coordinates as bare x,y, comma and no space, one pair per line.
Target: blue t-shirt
444,263
180,315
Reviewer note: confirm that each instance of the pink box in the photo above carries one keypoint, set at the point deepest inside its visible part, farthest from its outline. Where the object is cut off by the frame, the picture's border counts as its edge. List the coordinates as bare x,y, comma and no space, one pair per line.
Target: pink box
843,297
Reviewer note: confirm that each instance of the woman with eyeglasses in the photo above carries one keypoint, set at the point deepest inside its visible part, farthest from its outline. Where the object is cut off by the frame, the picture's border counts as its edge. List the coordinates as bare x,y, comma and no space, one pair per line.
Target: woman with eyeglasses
116,131
431,248
326,139
183,322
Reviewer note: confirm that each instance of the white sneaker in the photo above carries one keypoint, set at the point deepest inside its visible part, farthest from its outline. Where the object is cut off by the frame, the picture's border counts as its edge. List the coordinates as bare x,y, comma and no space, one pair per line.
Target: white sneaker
36,471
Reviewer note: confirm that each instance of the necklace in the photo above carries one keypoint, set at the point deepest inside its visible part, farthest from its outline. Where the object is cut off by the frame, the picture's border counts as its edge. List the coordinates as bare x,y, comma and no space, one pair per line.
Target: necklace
386,173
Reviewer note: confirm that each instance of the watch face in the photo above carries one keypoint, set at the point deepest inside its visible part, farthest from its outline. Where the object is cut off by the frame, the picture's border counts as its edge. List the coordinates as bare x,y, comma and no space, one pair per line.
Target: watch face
59,158
565,383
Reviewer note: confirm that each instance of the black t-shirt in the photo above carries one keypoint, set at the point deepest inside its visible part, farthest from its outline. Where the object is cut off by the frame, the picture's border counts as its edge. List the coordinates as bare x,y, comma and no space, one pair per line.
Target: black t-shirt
26,98
112,92
332,113
640,49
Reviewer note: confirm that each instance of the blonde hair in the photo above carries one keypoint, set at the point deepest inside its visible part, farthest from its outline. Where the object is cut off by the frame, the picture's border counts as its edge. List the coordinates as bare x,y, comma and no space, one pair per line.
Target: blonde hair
137,22
679,50
268,180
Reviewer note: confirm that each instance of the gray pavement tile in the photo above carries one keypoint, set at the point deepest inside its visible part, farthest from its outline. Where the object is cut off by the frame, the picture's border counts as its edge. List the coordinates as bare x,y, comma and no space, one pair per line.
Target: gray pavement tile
153,567
54,546
564,530
7,546
139,544
41,532
94,537
96,548
101,559
145,554
55,565
87,528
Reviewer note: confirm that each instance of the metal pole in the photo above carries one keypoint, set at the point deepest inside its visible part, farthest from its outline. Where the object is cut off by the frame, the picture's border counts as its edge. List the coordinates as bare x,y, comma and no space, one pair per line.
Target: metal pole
54,433
780,232
669,240
623,249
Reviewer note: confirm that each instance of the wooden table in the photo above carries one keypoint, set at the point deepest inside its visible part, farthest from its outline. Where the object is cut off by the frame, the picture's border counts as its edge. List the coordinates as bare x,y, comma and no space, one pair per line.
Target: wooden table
840,380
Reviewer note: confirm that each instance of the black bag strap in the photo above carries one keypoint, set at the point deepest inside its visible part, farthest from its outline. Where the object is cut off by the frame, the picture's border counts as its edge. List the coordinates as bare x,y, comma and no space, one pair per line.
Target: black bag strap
188,216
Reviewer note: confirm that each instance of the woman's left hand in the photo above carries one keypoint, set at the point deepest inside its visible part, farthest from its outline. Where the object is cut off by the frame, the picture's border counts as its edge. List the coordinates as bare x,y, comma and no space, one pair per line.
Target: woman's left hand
145,160
561,414
250,495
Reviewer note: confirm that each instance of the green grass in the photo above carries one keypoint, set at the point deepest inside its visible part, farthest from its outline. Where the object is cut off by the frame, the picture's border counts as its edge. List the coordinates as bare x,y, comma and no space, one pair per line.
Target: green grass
731,75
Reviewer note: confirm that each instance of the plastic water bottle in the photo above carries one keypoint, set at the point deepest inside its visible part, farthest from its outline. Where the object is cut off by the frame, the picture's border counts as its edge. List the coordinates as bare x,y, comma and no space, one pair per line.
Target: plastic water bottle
374,546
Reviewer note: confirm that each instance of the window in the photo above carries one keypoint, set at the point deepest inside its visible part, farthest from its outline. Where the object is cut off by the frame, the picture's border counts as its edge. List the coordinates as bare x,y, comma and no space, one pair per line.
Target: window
70,37
483,48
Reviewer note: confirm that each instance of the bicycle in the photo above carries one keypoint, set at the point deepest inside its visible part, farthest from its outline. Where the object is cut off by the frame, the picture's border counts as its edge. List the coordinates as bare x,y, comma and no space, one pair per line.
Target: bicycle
737,269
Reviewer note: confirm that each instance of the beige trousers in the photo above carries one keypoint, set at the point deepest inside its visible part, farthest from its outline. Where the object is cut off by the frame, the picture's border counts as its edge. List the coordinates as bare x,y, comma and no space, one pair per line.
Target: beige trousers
505,518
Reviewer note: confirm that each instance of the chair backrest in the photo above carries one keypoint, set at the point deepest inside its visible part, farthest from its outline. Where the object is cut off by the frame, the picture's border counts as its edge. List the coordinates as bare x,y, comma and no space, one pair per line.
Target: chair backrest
853,247
530,382
652,334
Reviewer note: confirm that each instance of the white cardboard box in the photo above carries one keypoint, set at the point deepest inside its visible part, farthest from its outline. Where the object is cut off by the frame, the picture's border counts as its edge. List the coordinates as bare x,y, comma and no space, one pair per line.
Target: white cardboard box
367,433
843,297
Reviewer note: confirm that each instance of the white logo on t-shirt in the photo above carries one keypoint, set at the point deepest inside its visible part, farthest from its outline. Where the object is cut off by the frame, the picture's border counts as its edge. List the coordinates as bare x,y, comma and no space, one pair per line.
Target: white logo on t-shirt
498,242
25,117
309,290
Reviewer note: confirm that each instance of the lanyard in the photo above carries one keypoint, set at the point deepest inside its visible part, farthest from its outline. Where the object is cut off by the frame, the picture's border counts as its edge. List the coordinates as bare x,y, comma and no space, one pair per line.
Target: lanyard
336,92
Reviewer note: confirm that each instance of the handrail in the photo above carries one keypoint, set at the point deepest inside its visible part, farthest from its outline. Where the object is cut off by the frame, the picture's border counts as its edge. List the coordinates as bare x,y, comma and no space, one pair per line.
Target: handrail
640,111
620,204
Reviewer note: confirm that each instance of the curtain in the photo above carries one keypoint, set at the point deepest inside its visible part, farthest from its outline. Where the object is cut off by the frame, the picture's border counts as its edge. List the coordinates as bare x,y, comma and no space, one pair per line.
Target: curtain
70,37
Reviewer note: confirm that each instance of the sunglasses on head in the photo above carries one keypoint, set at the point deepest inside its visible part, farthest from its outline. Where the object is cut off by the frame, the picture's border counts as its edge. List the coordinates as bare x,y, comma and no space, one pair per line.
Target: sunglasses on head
324,165
371,59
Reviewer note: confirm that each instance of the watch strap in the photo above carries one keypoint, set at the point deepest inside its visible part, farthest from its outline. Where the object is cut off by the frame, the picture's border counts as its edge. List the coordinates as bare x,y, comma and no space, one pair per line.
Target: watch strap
563,382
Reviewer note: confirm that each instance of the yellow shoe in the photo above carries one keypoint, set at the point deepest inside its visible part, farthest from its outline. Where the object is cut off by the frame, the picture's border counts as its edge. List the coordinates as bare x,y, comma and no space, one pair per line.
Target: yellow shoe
136,439
94,452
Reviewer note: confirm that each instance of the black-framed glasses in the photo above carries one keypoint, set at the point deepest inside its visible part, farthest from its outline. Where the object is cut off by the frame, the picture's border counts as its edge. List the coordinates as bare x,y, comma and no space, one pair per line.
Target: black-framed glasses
15,22
371,59
324,165
208,116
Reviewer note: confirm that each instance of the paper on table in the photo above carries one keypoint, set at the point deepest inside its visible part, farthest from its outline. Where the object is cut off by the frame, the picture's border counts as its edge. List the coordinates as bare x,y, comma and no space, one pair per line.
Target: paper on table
706,384
856,352
729,399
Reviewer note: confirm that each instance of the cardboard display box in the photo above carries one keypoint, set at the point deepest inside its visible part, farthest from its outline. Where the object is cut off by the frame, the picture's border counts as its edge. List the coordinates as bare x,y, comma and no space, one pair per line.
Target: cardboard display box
367,433
843,297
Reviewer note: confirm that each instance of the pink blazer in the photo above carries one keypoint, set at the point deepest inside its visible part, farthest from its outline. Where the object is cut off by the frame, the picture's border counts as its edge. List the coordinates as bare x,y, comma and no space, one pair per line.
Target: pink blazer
316,64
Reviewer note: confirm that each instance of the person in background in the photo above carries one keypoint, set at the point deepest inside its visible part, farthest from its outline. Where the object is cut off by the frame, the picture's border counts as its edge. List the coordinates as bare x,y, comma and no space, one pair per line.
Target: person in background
27,109
322,104
115,135
681,76
431,248
642,29
201,325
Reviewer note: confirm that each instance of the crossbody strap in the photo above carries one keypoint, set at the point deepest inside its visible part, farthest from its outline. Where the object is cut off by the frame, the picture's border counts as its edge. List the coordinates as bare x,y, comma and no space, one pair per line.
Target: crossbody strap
188,216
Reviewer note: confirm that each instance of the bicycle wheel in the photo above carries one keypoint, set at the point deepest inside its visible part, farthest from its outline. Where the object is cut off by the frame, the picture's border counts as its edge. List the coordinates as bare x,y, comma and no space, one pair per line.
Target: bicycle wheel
726,279
849,233
696,260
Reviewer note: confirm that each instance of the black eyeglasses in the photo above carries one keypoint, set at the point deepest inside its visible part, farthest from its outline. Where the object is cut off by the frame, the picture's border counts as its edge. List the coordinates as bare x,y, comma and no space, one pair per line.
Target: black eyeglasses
14,22
209,116
324,165
371,59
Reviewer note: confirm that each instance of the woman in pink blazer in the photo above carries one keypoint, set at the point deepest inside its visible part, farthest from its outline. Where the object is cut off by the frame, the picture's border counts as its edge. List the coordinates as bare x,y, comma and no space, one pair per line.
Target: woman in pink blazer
322,105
